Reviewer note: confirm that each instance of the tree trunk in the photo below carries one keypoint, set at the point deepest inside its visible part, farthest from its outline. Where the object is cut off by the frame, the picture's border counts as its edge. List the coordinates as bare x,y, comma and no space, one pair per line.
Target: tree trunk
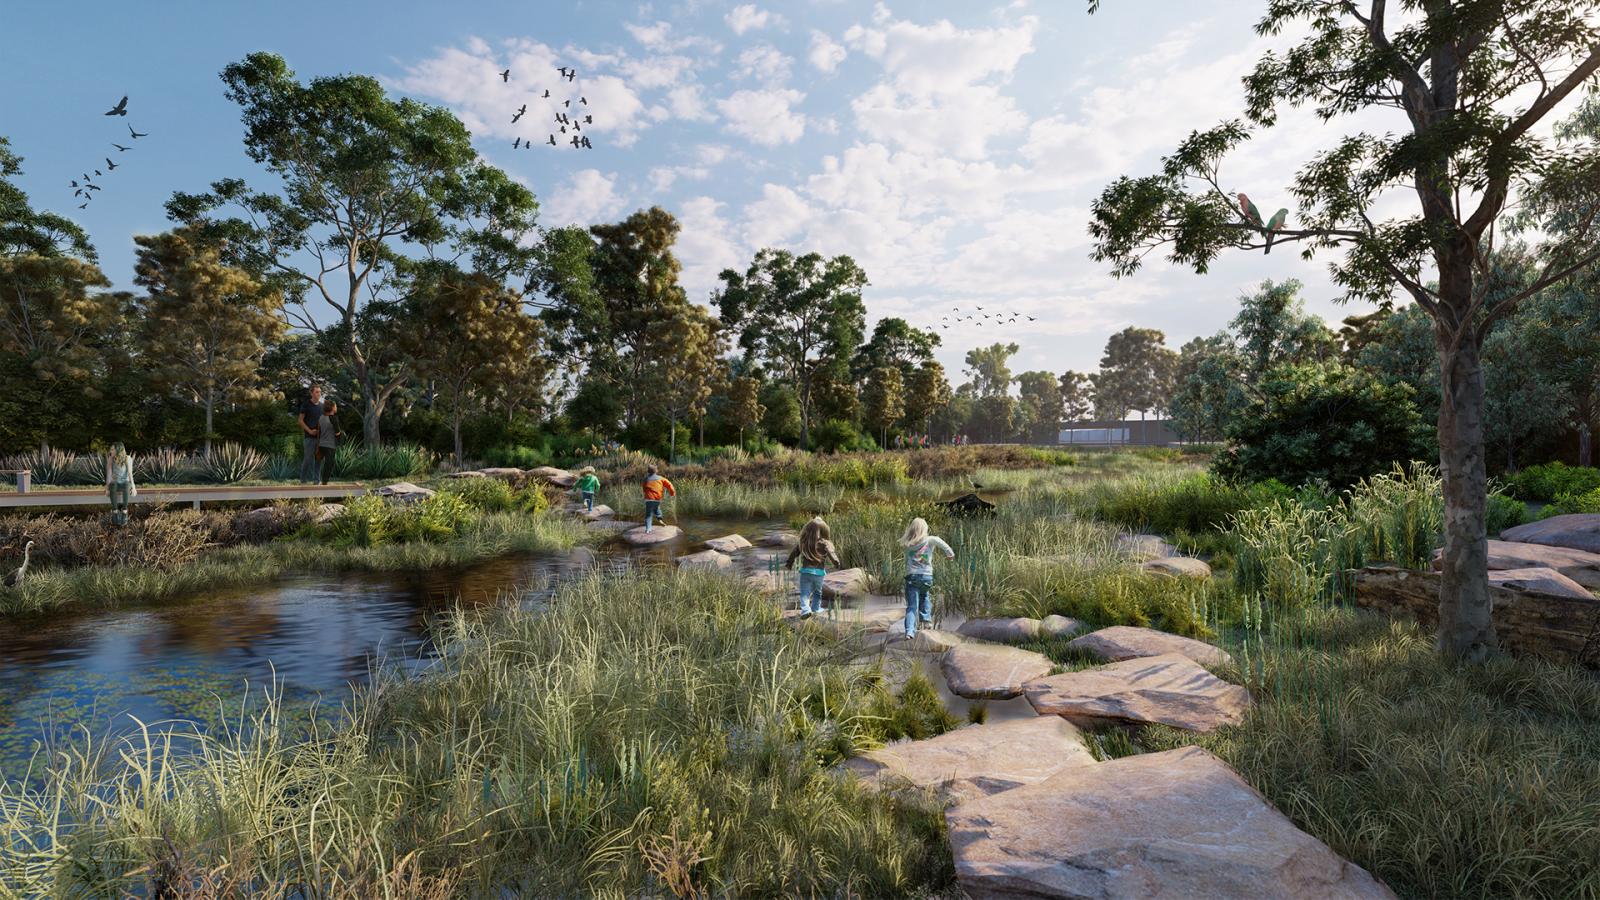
1585,445
1466,631
211,405
672,439
455,432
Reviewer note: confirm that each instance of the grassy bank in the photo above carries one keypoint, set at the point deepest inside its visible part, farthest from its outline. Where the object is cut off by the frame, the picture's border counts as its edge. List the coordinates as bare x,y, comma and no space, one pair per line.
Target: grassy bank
640,738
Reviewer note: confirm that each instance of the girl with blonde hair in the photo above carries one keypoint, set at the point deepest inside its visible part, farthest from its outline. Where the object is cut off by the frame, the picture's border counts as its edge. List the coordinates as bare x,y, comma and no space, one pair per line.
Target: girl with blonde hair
920,547
814,551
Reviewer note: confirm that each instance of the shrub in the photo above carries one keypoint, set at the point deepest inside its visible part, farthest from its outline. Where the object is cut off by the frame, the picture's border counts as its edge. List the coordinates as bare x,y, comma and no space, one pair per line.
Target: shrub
232,463
361,462
1575,503
1051,457
161,540
852,471
52,467
1504,512
839,436
1549,481
517,456
436,518
366,522
495,495
164,465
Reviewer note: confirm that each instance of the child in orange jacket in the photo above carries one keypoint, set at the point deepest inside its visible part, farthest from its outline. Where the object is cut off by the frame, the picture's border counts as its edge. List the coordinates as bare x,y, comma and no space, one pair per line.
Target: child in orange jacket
653,486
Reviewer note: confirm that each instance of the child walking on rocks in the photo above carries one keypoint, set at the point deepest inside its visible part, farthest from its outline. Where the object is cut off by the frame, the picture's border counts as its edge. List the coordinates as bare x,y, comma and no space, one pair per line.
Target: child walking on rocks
814,551
920,547
653,487
587,485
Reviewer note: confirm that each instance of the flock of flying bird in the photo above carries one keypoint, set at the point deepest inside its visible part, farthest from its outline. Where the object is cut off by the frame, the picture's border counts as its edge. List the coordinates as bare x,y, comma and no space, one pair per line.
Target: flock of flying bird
563,119
86,189
978,318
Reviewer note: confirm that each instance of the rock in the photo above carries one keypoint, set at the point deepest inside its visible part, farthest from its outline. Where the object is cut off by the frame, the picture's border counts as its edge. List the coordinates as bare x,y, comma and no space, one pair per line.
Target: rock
1169,690
1145,546
1177,824
600,511
850,622
1005,631
978,760
1576,531
1180,566
256,518
845,583
765,582
729,543
1554,626
927,640
1541,579
555,476
659,535
785,539
404,491
1059,626
760,560
706,559
1579,565
327,512
470,473
992,671
1120,642
505,473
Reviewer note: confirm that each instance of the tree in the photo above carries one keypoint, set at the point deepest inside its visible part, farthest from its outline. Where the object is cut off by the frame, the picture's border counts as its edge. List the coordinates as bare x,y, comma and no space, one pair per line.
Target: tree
54,315
994,418
363,178
1040,407
744,404
884,400
894,342
1210,388
204,326
987,369
1136,372
24,230
1273,327
798,314
927,392
781,421
1474,81
463,326
1556,338
1077,396
687,366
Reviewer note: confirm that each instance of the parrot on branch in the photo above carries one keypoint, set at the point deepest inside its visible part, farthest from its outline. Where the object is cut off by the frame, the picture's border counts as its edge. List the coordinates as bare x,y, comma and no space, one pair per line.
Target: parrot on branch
1249,210
1275,223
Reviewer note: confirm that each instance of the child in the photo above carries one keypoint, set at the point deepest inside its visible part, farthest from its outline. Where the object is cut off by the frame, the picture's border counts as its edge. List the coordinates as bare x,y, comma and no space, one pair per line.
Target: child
587,485
327,438
653,485
119,483
814,551
920,546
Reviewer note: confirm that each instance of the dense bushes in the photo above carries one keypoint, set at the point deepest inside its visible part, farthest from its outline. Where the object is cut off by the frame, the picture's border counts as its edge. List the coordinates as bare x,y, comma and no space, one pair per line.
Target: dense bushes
839,436
1551,481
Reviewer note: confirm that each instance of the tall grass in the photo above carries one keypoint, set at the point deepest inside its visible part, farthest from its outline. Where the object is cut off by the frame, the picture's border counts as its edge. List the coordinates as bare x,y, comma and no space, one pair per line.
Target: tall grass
643,736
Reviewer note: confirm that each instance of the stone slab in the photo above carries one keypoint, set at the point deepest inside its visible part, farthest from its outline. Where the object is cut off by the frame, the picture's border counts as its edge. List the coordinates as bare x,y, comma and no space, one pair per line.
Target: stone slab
992,671
977,760
1166,690
1121,642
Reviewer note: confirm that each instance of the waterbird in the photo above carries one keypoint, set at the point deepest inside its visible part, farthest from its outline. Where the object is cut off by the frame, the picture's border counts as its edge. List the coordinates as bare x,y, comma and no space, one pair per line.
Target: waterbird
552,140
120,148
519,113
110,166
516,143
121,109
546,94
15,577
505,76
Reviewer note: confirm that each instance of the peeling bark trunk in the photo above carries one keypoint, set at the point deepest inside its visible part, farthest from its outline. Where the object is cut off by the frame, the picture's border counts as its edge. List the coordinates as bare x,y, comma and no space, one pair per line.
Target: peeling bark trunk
1466,629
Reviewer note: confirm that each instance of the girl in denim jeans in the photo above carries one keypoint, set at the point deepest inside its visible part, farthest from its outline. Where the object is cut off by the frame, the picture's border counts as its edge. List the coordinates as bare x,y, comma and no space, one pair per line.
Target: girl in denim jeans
814,551
920,547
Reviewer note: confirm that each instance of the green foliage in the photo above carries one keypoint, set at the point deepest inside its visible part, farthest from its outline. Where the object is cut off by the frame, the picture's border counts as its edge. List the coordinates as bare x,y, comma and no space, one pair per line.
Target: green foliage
1503,512
1051,457
852,471
165,465
839,436
1165,504
1551,480
366,522
1575,503
494,495
363,462
517,456
231,463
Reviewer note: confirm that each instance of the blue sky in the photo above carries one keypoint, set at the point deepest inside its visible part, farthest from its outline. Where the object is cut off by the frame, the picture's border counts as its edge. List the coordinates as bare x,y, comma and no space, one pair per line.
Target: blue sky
952,148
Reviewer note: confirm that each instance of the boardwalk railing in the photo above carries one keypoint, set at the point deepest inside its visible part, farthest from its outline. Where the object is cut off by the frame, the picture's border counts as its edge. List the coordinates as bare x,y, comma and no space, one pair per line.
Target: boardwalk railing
194,495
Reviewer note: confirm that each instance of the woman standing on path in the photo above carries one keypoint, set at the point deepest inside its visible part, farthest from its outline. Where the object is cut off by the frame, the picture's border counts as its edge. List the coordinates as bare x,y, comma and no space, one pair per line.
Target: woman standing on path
920,546
327,438
814,551
653,487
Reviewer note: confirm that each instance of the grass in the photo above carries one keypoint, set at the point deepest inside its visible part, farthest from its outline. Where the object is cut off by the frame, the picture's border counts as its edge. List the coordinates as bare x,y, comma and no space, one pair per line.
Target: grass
643,736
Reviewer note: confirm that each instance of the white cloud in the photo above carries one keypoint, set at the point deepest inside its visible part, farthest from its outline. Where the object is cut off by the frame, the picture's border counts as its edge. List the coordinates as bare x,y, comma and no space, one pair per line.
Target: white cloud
764,63
764,116
706,246
780,215
659,36
687,104
587,197
825,53
749,17
662,178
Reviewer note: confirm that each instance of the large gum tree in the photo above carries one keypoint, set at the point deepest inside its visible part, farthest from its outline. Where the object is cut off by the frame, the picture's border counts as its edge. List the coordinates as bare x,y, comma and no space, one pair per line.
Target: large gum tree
1472,88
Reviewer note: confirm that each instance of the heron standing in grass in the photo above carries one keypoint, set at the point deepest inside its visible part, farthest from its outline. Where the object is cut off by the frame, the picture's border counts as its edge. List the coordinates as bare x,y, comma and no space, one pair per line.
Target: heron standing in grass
14,578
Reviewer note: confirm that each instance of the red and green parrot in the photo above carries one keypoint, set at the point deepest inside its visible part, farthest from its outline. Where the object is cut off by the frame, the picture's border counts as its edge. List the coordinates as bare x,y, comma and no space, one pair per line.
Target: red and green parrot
1273,224
1249,209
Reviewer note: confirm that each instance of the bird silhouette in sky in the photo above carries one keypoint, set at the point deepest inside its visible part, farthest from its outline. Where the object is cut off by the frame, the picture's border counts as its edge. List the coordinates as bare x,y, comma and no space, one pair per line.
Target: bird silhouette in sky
92,187
563,70
74,182
563,129
566,103
137,134
120,148
121,109
584,100
110,166
587,145
84,205
576,142
505,76
553,140
1032,319
98,173
588,120
516,143
519,113
546,94
575,127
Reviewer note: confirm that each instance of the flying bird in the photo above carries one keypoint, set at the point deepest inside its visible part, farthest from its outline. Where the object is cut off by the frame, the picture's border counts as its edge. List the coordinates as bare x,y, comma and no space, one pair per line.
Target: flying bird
563,129
584,100
92,187
552,140
137,134
121,109
98,173
74,182
566,103
575,141
110,166
84,205
587,145
519,113
120,148
1274,224
516,143
505,76
546,94
1031,319
588,120
563,70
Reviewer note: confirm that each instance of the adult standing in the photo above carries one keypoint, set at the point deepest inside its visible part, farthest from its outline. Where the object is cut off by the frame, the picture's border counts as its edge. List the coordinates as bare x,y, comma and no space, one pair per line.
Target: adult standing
310,414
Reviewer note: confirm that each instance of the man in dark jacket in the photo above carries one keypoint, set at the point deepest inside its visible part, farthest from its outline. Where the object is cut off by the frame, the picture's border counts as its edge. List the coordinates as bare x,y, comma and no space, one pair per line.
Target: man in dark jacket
310,413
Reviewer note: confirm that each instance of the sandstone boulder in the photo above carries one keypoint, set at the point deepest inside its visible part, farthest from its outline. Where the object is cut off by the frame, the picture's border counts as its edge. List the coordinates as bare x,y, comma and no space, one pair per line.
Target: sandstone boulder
728,543
555,476
1178,824
1579,565
1121,642
505,473
470,473
1543,580
404,491
1145,546
256,518
659,535
846,583
785,539
1166,690
926,640
1059,626
1178,566
327,512
600,511
706,559
1577,531
1004,631
992,671
978,760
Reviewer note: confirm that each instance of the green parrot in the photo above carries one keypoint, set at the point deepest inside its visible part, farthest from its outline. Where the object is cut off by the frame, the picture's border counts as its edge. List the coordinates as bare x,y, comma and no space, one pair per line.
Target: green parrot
1249,210
1275,223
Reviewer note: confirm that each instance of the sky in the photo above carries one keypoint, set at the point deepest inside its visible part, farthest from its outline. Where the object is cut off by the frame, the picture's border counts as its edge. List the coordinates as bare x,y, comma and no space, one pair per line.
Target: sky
952,148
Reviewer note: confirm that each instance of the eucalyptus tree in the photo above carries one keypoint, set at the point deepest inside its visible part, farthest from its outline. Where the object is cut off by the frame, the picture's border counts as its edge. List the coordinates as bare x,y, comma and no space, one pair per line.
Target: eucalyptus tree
367,186
1473,84
927,392
884,400
895,342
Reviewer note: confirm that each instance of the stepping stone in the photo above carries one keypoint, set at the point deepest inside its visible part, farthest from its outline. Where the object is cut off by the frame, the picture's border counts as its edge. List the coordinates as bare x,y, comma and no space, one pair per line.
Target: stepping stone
1177,824
765,582
977,760
729,543
1579,565
1121,642
600,511
404,491
659,535
845,583
785,539
1543,580
555,476
327,512
1004,631
1180,566
706,559
503,472
927,640
1575,531
1145,546
1059,626
1167,690
849,622
992,671
760,560
471,473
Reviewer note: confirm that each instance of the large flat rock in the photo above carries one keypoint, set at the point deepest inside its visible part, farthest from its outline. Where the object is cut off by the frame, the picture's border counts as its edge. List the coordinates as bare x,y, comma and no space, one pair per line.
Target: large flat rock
846,583
600,511
1176,825
1577,531
787,540
1120,642
1166,690
1579,565
978,760
992,671
710,560
1541,579
1178,566
1004,631
404,491
1145,546
658,535
729,543
555,476
1059,626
